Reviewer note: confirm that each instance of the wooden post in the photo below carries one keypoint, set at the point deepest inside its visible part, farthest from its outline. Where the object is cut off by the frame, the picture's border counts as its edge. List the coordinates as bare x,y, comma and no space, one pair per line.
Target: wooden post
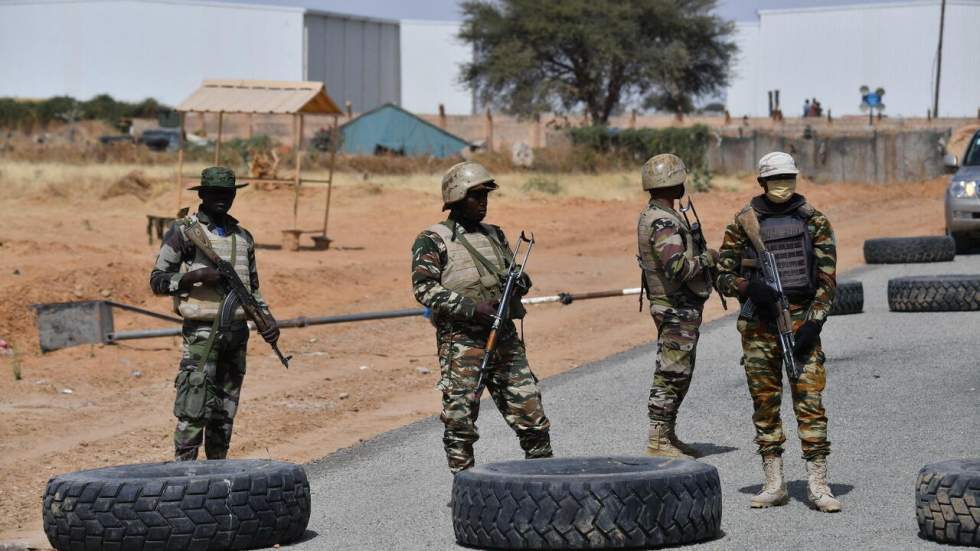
350,110
633,118
333,157
489,130
442,116
217,145
180,161
250,125
536,139
204,124
298,146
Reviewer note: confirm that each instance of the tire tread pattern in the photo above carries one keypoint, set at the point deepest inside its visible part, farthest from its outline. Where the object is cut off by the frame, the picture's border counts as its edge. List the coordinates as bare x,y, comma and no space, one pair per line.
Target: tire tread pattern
934,294
903,250
849,298
587,515
219,512
947,504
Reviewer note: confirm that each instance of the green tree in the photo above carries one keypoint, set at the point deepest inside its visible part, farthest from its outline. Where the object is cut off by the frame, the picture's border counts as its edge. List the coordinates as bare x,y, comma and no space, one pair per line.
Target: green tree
535,55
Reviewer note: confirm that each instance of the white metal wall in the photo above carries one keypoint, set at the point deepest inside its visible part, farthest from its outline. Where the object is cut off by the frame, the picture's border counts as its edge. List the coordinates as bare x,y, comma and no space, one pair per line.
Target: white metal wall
431,59
357,58
134,49
828,53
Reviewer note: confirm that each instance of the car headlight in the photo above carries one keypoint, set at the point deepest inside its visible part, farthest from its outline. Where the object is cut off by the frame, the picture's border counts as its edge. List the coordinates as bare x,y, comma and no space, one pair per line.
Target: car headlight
963,188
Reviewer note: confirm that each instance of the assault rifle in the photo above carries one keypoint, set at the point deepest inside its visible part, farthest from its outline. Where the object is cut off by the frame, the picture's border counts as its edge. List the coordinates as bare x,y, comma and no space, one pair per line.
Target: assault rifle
710,274
238,294
514,274
770,274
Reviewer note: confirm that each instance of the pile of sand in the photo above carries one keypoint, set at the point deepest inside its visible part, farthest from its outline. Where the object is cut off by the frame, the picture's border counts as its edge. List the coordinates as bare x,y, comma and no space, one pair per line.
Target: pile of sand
135,183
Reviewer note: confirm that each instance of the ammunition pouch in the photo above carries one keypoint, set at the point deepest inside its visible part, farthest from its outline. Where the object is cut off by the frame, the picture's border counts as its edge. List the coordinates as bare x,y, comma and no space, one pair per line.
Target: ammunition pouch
195,395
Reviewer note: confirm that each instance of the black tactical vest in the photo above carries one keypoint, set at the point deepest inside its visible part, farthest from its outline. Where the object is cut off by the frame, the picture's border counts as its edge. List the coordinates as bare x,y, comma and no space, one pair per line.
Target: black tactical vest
786,236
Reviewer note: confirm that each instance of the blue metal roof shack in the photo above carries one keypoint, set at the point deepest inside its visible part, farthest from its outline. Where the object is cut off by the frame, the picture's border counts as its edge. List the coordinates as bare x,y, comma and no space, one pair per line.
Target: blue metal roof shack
391,129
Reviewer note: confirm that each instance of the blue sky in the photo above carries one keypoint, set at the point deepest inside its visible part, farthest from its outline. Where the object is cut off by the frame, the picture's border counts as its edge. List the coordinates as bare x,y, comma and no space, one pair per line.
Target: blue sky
739,10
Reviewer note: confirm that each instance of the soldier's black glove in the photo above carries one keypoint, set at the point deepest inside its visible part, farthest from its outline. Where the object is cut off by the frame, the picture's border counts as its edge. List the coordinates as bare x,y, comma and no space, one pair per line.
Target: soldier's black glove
806,339
523,285
485,312
762,295
271,334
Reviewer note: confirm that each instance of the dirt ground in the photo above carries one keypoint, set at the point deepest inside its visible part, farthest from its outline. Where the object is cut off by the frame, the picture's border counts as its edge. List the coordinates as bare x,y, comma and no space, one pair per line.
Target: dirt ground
92,406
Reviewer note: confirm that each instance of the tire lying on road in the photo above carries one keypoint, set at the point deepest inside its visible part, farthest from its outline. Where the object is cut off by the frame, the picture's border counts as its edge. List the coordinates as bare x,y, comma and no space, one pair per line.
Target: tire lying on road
849,299
229,504
586,503
947,502
899,250
942,293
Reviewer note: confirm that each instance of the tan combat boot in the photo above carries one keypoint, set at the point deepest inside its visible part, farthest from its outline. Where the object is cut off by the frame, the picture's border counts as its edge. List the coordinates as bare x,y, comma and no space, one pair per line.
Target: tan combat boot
818,490
660,444
686,449
773,491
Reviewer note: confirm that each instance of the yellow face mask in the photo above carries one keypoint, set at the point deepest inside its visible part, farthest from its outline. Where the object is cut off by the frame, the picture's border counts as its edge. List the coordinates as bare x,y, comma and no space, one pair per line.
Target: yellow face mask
779,191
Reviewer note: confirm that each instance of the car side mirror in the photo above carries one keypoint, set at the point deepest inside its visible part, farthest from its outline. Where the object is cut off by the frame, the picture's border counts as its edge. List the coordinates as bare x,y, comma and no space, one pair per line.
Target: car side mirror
950,162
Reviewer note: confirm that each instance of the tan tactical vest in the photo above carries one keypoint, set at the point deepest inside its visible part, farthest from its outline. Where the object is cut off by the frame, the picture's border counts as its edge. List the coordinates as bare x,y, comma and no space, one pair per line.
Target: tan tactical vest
658,284
466,275
204,301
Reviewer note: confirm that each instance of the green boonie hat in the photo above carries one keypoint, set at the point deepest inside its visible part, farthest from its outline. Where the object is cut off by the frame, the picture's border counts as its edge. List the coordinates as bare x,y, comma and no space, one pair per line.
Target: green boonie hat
217,177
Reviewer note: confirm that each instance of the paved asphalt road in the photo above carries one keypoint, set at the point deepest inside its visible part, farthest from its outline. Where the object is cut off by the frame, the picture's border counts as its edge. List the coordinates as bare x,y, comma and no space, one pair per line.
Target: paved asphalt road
903,390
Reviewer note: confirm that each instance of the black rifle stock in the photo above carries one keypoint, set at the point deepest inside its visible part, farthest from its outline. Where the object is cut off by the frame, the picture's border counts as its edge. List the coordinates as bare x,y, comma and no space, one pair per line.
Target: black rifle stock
710,274
514,274
238,294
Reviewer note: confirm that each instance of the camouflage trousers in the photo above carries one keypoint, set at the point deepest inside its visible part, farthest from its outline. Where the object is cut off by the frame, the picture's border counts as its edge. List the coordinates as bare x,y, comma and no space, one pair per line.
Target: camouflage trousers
511,384
762,360
678,320
208,390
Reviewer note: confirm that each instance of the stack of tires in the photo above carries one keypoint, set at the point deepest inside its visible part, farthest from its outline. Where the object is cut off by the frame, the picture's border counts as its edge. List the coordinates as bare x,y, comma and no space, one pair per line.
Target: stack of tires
937,293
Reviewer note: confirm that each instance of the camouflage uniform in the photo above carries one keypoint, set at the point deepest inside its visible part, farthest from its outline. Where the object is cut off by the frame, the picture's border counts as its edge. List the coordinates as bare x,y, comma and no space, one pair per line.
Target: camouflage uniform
207,388
461,341
674,276
762,357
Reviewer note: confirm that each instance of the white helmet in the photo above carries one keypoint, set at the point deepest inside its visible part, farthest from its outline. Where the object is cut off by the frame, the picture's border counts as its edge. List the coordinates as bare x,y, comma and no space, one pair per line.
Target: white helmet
776,163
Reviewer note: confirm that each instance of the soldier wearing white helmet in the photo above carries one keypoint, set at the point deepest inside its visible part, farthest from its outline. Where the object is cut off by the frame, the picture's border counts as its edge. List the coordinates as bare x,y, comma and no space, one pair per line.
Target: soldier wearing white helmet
802,241
674,277
457,269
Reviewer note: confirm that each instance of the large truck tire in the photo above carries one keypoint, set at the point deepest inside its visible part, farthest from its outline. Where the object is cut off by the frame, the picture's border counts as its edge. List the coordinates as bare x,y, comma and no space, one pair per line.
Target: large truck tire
942,293
849,299
947,502
190,505
902,250
587,503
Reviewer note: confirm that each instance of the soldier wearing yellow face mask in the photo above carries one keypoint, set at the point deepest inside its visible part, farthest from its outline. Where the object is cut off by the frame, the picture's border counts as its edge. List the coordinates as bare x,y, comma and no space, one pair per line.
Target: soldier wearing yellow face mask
802,241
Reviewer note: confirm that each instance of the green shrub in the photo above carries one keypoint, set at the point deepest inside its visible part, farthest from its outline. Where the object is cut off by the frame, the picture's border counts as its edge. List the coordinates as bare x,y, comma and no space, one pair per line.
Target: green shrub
542,184
634,146
18,113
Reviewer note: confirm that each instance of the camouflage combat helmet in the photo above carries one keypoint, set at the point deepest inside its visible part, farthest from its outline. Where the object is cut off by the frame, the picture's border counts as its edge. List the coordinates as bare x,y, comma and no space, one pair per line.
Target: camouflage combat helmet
664,170
461,178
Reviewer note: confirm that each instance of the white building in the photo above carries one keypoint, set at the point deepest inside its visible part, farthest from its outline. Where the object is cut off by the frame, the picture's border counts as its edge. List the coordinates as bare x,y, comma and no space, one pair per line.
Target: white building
830,52
134,49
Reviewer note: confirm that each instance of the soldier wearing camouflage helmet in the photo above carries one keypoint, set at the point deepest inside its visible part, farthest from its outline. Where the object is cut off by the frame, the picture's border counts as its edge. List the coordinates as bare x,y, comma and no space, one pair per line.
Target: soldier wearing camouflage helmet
212,368
457,269
673,277
802,241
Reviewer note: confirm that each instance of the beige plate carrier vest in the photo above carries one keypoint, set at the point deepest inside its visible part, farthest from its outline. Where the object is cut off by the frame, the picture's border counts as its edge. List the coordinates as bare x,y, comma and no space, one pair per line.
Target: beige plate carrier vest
658,284
463,273
204,301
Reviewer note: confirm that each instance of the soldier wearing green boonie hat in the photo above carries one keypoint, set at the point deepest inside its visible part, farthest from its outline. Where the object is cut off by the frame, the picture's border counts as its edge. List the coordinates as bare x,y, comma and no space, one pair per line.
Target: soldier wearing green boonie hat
212,367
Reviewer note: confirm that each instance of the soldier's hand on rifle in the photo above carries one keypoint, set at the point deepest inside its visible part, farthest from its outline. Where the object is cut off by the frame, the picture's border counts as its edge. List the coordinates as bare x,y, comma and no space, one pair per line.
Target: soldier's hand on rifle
206,276
523,284
761,293
806,339
485,312
271,333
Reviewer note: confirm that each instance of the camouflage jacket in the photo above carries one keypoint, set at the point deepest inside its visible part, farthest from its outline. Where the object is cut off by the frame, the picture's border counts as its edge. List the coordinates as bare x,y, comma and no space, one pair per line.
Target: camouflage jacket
428,259
177,251
825,259
670,240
